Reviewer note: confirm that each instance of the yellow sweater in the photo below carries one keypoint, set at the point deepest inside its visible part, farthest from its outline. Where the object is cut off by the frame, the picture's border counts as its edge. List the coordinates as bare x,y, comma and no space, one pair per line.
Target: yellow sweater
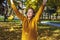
29,31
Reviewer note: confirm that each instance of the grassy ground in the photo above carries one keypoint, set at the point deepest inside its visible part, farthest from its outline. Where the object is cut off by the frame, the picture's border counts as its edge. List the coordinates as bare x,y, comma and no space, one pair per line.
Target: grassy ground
12,31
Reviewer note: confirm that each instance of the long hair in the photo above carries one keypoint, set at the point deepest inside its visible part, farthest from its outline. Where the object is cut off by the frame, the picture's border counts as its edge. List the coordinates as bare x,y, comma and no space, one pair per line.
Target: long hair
32,10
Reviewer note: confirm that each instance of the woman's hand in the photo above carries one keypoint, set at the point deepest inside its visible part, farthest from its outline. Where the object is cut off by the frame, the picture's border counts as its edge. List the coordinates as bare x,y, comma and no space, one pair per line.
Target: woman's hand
11,1
44,2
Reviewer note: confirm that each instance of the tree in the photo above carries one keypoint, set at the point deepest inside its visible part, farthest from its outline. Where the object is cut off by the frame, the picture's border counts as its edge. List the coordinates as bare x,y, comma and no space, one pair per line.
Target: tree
32,3
1,7
1,1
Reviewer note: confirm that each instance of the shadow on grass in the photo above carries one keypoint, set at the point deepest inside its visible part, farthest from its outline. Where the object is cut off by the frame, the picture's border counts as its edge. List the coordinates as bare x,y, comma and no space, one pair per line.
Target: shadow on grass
48,33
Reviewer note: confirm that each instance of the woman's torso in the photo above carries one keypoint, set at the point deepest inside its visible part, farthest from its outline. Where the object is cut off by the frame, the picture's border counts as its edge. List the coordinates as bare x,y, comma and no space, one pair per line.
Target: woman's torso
29,31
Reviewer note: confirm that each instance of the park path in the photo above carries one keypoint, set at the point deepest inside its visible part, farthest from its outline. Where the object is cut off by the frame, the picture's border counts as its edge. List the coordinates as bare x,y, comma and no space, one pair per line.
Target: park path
51,23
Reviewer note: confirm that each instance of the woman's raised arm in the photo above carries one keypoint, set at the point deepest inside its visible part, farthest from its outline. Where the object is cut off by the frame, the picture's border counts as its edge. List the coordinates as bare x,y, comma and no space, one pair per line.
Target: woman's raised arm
40,11
19,15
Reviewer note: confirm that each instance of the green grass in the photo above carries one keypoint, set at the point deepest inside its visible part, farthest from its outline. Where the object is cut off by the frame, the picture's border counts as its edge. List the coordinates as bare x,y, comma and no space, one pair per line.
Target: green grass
1,19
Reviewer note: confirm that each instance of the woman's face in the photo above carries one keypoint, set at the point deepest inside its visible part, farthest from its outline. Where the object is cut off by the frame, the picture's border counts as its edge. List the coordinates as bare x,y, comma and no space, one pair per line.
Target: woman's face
30,13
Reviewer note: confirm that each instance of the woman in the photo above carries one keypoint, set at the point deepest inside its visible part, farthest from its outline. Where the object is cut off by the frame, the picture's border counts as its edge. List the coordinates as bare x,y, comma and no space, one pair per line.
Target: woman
29,23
